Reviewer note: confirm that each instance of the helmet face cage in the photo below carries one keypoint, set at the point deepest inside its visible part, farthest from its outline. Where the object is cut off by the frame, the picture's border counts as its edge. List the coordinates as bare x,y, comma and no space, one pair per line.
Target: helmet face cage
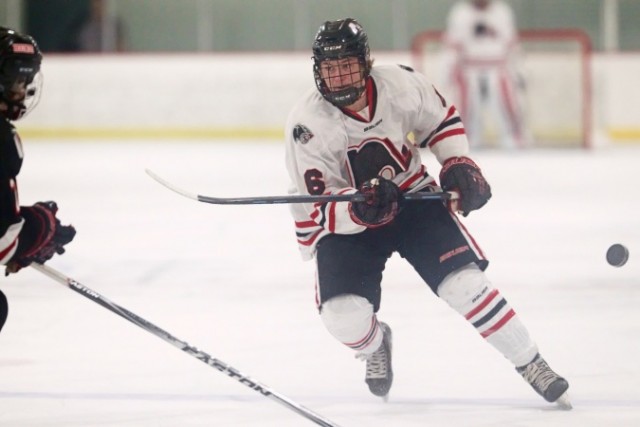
32,97
20,77
338,40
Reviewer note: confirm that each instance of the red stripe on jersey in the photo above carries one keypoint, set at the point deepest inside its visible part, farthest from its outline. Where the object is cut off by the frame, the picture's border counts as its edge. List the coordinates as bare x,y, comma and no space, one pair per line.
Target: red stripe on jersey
482,305
407,182
331,207
316,210
470,238
306,224
447,134
372,102
498,325
451,112
331,220
8,248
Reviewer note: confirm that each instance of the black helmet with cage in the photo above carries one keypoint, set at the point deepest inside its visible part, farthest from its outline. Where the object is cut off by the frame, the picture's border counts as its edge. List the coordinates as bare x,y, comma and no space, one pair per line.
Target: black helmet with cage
337,40
20,60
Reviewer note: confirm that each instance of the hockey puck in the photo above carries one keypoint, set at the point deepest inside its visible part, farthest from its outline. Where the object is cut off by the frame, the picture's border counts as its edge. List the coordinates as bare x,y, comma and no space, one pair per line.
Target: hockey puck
617,255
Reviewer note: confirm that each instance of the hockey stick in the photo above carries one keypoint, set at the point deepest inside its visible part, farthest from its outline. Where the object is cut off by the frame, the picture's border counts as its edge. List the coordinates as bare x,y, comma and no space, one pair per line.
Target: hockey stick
300,198
182,345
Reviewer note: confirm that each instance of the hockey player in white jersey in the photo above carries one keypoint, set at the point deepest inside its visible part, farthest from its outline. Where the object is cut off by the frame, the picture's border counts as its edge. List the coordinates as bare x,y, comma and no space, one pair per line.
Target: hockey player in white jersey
481,43
350,134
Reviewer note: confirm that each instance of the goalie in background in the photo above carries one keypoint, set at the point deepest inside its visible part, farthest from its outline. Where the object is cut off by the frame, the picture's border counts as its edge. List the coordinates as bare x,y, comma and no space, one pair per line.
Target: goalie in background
350,135
27,233
481,51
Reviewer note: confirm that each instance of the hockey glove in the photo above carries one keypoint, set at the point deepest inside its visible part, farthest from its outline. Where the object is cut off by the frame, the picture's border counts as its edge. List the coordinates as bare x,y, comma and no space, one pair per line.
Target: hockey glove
41,237
380,205
461,174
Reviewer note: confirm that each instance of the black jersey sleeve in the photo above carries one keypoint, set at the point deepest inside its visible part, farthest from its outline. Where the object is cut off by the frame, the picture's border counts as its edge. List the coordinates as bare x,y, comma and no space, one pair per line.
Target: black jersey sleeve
10,151
10,163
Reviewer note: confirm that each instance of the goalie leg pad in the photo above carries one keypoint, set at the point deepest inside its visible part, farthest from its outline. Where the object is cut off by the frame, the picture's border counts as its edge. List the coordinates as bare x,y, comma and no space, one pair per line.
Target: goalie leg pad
469,292
350,319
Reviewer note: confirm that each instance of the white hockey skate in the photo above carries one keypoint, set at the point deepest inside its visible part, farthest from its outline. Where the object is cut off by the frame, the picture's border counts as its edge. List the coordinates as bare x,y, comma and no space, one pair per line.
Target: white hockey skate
551,386
379,376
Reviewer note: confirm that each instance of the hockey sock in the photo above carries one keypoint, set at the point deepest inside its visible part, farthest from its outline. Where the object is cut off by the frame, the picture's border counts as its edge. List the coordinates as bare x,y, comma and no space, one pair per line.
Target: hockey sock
469,292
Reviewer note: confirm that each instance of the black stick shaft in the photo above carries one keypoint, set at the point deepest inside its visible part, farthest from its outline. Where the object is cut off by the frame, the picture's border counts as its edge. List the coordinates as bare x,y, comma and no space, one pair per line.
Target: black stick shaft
182,345
269,200
296,198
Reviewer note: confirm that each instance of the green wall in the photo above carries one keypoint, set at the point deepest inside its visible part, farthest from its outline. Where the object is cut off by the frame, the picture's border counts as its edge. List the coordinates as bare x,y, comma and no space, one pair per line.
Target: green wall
629,21
282,25
273,24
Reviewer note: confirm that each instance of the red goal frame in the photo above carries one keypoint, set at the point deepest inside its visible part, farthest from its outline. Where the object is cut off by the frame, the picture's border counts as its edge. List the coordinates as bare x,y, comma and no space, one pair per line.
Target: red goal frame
577,36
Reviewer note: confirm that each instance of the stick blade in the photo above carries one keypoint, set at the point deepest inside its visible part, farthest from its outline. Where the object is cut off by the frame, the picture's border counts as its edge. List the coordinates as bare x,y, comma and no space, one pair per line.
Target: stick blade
170,186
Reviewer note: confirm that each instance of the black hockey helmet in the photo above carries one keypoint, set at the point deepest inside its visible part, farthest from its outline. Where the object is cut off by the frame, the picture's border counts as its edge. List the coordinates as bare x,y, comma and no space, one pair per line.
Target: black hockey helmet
336,40
20,60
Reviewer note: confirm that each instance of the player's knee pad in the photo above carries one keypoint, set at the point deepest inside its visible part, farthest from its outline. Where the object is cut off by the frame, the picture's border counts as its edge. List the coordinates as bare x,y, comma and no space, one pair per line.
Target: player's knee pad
464,286
351,320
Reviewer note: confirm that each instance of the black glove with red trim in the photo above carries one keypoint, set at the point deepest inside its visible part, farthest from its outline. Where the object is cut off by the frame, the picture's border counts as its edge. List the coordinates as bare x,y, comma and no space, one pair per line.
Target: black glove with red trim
41,236
462,175
381,203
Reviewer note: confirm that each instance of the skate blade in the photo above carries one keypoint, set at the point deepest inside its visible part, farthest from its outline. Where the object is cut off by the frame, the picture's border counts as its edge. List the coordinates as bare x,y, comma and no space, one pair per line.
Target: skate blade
564,403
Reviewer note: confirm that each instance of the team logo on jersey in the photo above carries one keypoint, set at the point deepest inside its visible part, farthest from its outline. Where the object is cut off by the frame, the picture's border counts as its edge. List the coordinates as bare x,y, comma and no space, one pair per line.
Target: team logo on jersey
302,134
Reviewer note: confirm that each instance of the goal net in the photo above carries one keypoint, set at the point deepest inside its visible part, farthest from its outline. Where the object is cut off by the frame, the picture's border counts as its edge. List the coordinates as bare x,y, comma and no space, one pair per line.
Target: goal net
556,90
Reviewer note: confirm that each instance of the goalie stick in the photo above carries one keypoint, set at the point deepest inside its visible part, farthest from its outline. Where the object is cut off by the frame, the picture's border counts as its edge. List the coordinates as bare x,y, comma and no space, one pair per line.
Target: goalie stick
182,345
300,198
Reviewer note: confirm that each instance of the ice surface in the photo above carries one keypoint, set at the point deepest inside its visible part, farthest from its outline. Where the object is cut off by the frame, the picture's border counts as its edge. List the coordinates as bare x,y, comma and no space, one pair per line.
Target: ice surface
229,280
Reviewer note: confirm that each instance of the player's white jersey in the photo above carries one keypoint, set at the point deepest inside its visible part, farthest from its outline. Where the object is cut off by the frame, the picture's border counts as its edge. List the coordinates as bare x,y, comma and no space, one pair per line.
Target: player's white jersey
481,36
333,151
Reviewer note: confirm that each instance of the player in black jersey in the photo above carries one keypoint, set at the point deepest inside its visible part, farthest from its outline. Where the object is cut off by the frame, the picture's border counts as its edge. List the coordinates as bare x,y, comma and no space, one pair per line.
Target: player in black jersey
27,233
